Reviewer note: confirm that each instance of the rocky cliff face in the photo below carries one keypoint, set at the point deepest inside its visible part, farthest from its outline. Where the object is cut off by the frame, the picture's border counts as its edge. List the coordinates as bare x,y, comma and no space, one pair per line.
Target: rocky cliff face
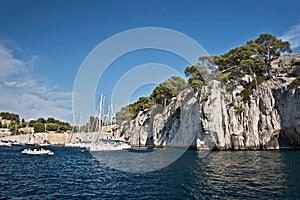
219,117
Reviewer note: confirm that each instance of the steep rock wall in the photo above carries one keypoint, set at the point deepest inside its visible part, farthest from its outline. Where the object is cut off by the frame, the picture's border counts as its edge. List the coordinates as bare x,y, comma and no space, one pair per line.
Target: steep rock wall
218,117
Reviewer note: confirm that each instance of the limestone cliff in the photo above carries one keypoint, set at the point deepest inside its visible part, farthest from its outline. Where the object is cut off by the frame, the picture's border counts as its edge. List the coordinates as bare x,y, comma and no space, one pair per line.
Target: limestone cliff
219,117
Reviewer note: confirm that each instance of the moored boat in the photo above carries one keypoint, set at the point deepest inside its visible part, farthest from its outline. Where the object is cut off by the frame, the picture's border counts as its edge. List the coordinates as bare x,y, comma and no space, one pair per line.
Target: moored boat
15,143
7,144
45,143
37,152
109,145
74,144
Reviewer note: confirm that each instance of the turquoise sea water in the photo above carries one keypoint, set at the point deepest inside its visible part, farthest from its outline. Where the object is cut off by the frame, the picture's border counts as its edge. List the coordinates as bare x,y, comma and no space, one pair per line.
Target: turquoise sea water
73,174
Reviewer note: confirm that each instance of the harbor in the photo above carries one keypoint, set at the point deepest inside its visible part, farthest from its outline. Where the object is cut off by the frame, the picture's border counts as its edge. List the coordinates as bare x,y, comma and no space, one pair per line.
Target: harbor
53,139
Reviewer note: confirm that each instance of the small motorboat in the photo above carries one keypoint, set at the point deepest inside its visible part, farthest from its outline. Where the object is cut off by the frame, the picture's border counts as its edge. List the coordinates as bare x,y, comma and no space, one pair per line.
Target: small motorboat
40,151
15,143
44,144
7,144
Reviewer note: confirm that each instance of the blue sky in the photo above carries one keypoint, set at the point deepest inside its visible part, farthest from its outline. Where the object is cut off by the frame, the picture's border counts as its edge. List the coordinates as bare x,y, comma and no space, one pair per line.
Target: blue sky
43,43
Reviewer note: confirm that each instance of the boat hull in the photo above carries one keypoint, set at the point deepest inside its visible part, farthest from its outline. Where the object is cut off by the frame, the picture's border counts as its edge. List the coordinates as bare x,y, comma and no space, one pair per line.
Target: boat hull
76,145
108,147
37,152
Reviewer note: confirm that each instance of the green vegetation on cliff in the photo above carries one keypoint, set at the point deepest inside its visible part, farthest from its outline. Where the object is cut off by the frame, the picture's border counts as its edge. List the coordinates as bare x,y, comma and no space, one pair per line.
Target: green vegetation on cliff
168,89
295,83
131,111
162,94
252,58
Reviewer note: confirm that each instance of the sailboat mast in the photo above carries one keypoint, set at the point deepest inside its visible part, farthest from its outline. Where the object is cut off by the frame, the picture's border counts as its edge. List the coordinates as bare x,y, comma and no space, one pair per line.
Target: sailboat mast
100,116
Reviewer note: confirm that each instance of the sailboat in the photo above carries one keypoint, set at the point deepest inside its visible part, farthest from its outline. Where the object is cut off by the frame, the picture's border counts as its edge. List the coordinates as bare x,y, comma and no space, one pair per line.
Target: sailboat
106,144
75,144
45,142
15,142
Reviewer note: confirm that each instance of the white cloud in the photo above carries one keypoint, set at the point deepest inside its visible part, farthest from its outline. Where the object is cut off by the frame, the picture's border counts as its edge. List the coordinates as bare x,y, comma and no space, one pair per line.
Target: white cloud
19,84
8,64
293,36
26,95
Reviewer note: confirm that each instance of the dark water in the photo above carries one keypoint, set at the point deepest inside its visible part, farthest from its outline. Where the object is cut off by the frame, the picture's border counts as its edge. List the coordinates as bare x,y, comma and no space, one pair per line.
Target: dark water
72,174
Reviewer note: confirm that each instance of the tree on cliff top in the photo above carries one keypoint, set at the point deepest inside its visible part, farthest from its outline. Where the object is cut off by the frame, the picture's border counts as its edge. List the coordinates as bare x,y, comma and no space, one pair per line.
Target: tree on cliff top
269,47
162,94
202,72
131,111
255,56
168,89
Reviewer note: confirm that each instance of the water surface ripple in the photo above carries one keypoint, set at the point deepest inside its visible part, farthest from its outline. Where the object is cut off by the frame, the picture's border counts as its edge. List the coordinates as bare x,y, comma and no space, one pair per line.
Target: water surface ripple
73,174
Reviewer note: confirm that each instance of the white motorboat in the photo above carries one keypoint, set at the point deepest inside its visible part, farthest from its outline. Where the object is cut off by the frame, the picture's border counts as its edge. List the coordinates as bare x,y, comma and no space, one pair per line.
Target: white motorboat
15,143
109,145
7,144
37,152
44,143
74,144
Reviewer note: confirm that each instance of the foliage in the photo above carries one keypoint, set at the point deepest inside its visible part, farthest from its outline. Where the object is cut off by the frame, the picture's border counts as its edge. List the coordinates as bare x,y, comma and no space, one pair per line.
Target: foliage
41,120
168,89
224,78
50,124
295,83
231,104
10,116
246,93
52,127
51,120
269,47
13,127
56,127
238,109
131,111
196,84
198,76
245,57
38,127
31,123
162,94
252,58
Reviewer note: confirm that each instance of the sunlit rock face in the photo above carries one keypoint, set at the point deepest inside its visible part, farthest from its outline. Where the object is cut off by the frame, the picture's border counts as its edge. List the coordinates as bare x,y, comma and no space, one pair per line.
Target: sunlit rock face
218,117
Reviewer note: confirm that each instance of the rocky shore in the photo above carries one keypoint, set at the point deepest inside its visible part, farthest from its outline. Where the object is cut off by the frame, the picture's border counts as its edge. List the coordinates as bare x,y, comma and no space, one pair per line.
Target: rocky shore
52,138
37,138
219,117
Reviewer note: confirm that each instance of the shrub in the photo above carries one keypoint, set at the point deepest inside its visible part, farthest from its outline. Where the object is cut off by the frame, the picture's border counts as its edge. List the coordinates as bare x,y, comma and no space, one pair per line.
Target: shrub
295,83
246,93
259,81
224,78
231,104
239,109
196,84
